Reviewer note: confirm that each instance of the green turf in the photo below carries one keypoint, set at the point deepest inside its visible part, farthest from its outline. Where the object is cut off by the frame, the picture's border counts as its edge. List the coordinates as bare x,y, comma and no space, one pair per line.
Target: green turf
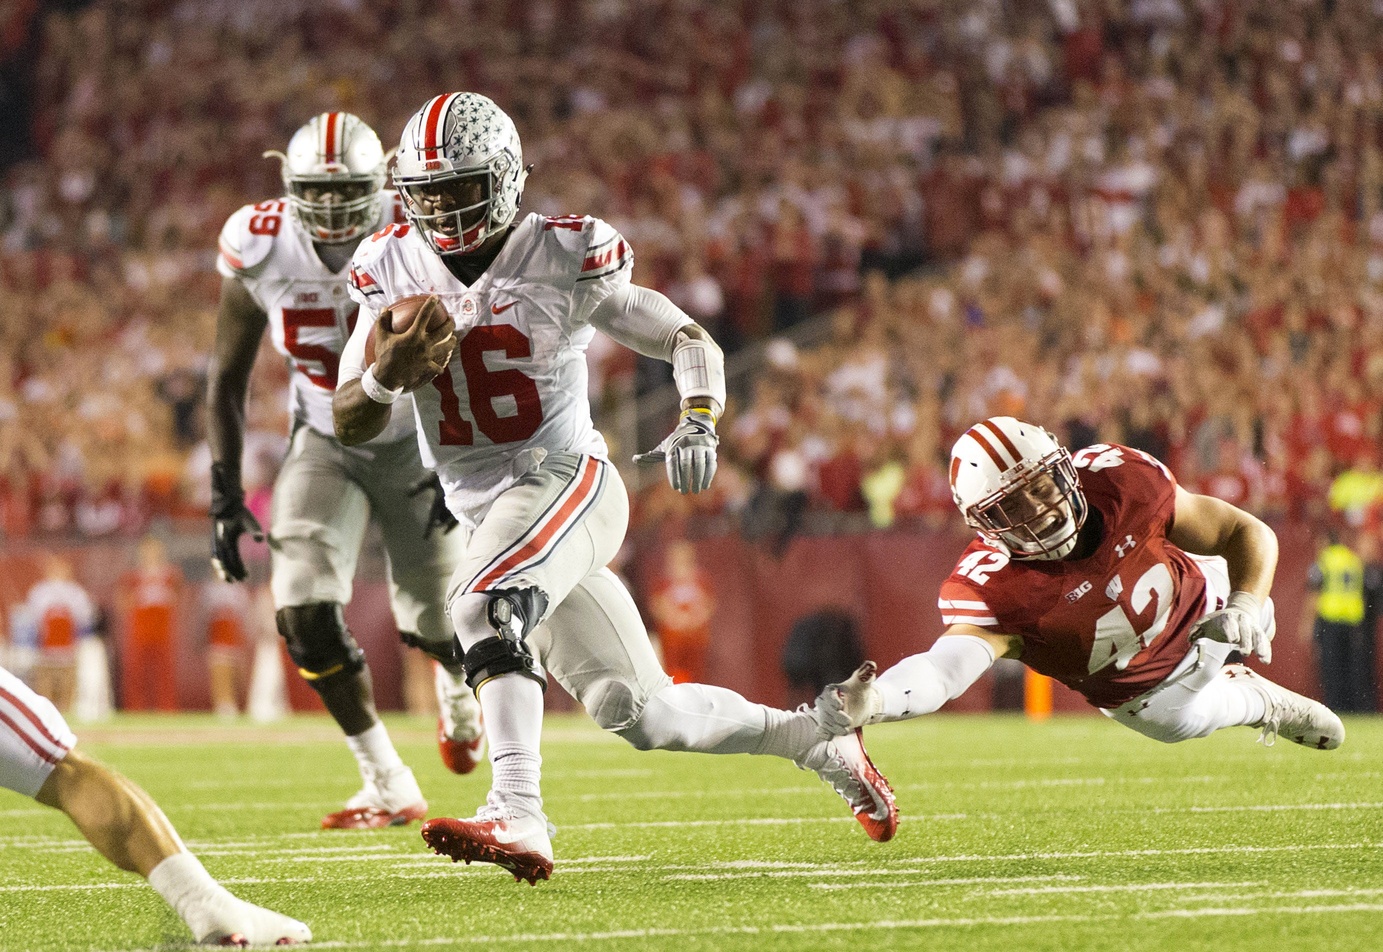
1067,835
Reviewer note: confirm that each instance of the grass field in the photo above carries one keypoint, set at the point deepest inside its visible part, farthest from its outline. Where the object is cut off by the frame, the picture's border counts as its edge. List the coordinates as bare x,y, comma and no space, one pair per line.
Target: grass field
1067,835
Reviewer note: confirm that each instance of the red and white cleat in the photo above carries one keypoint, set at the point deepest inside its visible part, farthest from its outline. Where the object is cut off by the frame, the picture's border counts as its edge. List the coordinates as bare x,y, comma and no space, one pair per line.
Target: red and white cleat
845,765
387,799
519,843
460,730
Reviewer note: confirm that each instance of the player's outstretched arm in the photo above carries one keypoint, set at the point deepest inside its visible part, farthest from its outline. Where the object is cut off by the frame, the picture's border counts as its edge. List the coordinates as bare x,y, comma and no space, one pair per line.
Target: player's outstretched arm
127,827
1204,525
647,322
916,685
240,324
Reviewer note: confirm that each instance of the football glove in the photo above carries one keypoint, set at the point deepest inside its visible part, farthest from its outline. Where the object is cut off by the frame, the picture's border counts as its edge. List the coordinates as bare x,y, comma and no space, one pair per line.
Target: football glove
439,516
1239,624
229,521
840,708
689,452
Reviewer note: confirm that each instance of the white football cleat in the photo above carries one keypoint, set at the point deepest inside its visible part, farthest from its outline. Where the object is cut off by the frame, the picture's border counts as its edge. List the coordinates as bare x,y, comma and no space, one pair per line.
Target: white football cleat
460,730
234,922
387,799
845,765
515,840
1291,715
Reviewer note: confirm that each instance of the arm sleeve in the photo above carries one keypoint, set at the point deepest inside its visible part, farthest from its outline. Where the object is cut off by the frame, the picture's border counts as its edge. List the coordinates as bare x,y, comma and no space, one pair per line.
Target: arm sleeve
922,683
641,319
352,365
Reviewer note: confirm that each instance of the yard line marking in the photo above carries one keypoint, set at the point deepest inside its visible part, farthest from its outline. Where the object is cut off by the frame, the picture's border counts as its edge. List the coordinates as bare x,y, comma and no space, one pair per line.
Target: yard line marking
1271,807
824,927
1121,887
1286,910
915,883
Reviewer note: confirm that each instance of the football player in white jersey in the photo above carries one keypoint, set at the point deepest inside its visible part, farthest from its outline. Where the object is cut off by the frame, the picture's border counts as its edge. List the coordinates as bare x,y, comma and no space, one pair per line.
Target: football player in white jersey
284,266
499,397
123,822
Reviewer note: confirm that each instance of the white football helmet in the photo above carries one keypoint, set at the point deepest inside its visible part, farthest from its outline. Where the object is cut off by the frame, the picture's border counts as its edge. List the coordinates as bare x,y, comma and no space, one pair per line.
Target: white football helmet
332,174
1017,486
460,170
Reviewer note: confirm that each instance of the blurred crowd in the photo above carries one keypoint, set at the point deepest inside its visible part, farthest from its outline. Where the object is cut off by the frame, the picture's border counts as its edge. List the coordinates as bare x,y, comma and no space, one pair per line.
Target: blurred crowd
1154,222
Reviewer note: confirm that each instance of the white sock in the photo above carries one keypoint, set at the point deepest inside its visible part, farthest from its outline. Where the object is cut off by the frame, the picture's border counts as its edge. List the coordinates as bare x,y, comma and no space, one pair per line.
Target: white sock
374,750
186,886
513,709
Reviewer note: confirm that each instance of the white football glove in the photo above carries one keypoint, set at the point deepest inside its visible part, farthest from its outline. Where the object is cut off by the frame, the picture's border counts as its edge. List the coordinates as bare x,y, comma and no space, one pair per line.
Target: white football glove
1239,623
689,452
840,708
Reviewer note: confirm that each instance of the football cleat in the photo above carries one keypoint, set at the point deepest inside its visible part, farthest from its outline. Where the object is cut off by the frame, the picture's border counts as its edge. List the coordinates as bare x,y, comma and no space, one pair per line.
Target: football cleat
518,842
238,923
1291,715
845,765
460,731
387,799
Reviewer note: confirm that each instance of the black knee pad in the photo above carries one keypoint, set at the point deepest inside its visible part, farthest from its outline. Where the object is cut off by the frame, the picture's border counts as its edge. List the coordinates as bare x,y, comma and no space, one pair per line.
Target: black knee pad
449,653
318,640
513,612
491,657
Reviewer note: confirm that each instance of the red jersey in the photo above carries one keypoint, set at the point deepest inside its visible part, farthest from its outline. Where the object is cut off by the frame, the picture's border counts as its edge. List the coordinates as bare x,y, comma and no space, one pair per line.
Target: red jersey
1112,625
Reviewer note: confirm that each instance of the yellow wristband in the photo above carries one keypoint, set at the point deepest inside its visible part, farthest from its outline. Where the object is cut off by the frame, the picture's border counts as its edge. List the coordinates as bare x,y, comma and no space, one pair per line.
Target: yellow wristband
706,410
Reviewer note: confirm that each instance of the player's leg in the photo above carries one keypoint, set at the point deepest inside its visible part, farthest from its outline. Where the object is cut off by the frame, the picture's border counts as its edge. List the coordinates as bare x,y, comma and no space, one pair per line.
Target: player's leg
121,821
562,518
1205,694
597,647
318,522
420,571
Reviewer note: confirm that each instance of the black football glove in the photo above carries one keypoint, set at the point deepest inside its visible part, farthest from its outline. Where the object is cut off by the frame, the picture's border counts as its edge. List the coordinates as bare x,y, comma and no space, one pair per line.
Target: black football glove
439,516
229,521
689,452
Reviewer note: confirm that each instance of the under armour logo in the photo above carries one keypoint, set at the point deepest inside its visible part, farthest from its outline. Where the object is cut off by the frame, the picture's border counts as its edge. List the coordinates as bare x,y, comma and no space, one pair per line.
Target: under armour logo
1128,543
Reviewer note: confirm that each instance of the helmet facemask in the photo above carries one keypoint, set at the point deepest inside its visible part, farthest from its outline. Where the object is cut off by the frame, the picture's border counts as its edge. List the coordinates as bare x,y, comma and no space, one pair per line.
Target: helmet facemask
454,214
1037,512
335,209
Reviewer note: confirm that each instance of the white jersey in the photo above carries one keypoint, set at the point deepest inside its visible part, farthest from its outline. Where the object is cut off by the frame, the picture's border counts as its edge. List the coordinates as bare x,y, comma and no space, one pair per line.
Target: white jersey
310,313
518,378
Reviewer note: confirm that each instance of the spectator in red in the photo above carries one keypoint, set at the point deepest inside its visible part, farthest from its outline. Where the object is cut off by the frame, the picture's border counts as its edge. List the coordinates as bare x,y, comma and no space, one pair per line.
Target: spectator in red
681,605
228,610
148,603
62,612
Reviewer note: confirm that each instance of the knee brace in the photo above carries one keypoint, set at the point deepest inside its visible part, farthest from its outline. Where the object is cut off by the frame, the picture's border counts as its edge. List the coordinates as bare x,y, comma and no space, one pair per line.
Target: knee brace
514,612
491,657
318,640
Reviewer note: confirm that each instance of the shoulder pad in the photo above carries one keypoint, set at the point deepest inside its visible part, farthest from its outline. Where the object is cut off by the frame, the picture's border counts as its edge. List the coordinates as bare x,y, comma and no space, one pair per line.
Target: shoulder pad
370,256
248,236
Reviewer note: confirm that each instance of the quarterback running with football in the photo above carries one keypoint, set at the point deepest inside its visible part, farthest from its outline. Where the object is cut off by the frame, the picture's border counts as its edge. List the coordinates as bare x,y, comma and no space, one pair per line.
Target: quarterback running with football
499,393
1098,570
284,265
123,822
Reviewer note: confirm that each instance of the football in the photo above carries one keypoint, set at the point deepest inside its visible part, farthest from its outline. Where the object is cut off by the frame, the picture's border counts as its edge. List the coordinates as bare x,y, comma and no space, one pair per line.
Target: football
404,311
402,314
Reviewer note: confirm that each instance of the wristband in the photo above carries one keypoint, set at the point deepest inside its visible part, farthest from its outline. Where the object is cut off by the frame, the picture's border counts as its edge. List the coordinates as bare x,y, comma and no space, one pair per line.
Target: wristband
375,390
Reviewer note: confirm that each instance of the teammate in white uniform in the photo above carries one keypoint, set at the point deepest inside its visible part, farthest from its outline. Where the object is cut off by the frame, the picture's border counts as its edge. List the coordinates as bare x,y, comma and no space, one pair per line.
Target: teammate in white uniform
123,822
284,265
499,397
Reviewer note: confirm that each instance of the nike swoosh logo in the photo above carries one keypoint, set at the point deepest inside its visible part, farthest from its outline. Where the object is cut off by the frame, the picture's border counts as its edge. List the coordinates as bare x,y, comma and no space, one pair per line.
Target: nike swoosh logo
500,309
